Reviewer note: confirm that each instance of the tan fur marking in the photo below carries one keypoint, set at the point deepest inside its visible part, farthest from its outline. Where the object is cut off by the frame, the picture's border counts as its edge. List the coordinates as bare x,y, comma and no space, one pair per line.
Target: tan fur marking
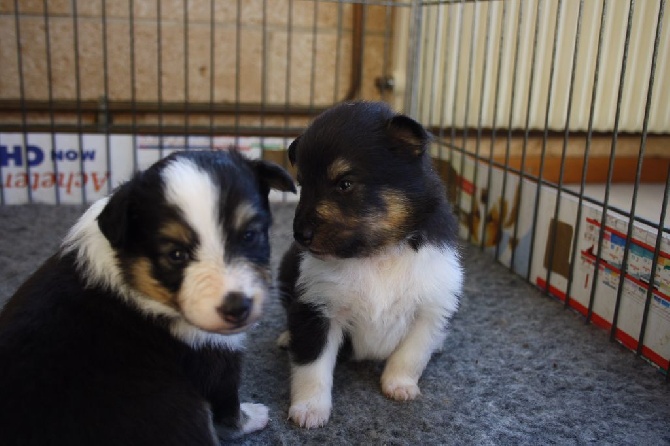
329,212
144,282
177,232
337,168
397,213
243,214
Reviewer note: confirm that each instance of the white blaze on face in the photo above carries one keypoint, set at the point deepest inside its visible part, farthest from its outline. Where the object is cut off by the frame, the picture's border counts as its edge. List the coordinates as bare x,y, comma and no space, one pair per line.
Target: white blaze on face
208,279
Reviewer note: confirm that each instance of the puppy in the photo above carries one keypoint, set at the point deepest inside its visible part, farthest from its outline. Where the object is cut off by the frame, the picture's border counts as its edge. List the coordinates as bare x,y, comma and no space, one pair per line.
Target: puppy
132,333
375,268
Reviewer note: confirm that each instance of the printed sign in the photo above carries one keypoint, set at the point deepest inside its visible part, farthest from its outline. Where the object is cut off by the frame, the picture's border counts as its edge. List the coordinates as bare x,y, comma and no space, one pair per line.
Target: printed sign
81,168
519,225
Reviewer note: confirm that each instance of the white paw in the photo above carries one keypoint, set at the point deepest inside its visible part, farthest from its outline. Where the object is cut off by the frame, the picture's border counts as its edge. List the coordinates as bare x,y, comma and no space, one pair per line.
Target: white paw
256,417
284,339
400,389
309,414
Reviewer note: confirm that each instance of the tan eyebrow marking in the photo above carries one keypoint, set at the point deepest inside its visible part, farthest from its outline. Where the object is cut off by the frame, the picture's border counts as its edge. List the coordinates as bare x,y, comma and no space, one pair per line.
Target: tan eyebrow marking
177,232
337,168
244,213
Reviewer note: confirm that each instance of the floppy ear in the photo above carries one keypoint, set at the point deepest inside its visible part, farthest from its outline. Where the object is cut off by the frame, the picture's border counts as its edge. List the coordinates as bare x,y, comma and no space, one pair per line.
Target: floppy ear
409,133
291,151
273,176
114,219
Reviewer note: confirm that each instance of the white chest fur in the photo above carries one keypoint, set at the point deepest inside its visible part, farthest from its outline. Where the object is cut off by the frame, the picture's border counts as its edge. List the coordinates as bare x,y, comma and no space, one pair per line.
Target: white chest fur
377,299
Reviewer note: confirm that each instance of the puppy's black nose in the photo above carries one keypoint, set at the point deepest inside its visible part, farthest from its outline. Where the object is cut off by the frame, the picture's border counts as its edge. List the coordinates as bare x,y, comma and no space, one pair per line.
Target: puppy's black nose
236,307
304,236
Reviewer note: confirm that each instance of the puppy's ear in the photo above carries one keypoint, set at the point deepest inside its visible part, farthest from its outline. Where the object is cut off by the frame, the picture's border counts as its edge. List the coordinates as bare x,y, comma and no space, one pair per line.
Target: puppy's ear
273,176
409,133
114,219
291,151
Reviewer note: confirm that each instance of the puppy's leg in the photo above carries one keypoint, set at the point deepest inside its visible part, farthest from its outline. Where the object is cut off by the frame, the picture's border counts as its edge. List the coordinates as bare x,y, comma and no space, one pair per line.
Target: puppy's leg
406,364
311,384
232,419
250,418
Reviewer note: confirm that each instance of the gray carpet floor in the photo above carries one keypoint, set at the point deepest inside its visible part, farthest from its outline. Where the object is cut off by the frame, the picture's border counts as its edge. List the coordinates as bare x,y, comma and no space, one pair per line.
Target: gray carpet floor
516,367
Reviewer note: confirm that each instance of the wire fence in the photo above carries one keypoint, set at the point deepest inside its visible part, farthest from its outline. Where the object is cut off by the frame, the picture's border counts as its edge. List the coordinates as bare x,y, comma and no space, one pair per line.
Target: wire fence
551,117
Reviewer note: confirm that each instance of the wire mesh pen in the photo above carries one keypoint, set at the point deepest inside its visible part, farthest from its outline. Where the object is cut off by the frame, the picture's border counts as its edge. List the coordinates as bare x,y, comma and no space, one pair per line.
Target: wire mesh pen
550,117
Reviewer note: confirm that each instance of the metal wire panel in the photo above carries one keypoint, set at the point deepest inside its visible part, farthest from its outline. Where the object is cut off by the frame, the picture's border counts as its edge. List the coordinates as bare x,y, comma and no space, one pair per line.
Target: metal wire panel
540,110
555,76
552,33
170,66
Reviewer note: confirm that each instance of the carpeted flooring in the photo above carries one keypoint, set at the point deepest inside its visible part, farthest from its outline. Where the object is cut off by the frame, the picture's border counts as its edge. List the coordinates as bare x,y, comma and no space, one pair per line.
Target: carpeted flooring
516,367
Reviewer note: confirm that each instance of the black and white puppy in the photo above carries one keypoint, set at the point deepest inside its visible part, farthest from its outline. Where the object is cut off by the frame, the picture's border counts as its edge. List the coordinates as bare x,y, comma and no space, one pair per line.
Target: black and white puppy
375,269
132,333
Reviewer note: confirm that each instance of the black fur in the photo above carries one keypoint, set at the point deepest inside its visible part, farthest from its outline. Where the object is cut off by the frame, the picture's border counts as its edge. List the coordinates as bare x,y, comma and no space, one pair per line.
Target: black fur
387,152
81,366
370,203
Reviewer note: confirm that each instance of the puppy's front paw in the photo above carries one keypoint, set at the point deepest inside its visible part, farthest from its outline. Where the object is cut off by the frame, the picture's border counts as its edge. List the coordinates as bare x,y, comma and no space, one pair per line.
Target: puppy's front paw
254,417
309,413
400,389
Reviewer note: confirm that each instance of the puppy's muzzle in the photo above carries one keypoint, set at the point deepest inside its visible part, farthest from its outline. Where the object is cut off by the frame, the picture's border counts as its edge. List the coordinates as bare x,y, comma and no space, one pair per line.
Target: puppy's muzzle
236,308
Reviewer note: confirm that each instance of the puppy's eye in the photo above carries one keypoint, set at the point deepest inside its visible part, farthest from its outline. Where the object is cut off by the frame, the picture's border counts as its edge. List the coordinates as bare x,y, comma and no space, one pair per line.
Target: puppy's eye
344,185
250,236
178,256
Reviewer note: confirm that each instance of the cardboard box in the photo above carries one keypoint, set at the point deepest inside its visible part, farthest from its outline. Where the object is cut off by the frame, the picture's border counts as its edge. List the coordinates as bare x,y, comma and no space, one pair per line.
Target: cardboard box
534,232
72,168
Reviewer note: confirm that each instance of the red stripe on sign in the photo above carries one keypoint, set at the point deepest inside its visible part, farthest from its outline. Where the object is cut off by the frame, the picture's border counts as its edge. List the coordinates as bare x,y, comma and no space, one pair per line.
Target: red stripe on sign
625,339
623,236
467,186
591,258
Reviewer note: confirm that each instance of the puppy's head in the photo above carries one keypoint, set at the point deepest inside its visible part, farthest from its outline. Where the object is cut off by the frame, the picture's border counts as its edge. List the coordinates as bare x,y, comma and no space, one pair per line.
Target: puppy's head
366,180
190,234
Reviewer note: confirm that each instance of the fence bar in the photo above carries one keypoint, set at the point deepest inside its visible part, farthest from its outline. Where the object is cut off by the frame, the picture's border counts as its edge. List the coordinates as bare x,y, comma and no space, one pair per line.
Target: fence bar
631,223
77,81
506,166
475,17
435,74
587,151
387,50
264,79
550,93
411,94
564,150
22,93
473,197
105,115
187,100
443,101
457,62
133,82
338,53
238,70
494,125
638,174
610,170
312,77
52,117
159,68
212,70
526,131
289,54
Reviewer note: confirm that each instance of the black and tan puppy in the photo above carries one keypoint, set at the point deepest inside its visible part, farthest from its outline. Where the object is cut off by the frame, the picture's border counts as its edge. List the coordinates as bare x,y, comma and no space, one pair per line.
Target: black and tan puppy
375,267
132,333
